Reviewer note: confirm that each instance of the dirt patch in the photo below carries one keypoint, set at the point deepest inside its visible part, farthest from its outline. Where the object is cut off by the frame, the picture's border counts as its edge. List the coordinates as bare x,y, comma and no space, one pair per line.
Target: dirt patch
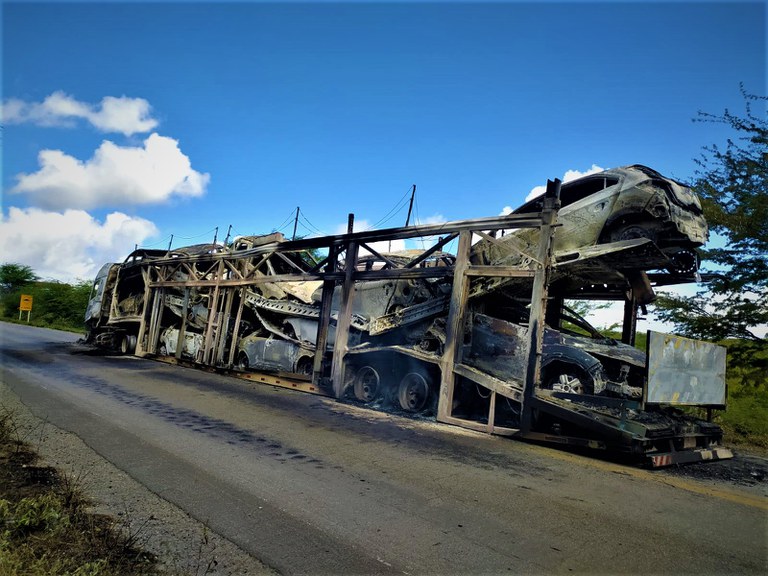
46,525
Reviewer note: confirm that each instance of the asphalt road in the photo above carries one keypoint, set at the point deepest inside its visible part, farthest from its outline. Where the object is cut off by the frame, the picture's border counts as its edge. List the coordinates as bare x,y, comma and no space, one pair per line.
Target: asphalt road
309,485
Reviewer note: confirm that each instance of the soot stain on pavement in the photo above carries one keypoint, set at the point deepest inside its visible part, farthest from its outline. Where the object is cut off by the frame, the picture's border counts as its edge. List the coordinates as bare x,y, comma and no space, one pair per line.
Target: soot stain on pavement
307,407
181,417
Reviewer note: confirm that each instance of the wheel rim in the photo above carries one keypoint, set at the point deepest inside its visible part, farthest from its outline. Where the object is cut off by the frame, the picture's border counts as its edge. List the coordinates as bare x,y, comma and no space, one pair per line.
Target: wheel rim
569,383
367,384
242,361
413,392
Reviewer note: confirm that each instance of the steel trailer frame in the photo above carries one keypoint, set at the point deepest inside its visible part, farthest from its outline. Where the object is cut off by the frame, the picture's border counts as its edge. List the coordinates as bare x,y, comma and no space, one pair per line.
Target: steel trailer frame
225,276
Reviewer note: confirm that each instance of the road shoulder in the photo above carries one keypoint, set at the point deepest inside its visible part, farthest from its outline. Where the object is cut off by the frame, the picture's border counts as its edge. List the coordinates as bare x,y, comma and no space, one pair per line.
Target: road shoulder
182,544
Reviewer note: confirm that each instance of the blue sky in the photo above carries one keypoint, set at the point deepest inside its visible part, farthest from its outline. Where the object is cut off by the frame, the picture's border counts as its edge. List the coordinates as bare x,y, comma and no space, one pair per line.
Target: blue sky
176,118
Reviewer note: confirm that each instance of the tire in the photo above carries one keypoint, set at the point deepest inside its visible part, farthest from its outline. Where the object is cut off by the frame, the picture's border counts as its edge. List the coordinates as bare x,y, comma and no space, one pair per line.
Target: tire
367,384
242,361
634,230
414,392
128,344
684,261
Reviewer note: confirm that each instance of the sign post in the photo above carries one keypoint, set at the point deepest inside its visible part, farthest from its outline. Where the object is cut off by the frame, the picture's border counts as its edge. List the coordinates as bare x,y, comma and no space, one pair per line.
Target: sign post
25,305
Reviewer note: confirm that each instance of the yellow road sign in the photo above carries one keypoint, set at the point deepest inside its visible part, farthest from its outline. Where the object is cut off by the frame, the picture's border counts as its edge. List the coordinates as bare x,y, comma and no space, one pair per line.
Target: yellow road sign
26,303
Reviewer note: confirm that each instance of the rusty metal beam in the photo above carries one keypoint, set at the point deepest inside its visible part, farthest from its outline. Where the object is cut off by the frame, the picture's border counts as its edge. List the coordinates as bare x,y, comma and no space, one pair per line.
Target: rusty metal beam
500,272
375,253
539,302
236,328
455,326
321,342
344,320
342,240
183,327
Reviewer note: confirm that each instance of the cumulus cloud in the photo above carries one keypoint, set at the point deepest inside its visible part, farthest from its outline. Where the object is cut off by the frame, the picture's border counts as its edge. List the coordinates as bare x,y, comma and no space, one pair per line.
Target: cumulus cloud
122,114
69,245
434,219
115,175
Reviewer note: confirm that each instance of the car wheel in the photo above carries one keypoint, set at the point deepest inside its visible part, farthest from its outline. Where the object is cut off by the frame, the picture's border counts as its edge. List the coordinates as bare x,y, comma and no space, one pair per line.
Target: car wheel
633,231
570,381
684,261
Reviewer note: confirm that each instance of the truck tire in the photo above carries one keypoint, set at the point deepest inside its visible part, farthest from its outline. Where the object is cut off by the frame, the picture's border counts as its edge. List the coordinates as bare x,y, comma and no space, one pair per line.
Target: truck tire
367,384
414,391
128,344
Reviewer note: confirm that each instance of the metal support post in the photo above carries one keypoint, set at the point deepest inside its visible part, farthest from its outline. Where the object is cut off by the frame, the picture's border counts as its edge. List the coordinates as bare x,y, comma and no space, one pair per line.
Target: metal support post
183,327
454,335
539,302
326,299
344,320
629,325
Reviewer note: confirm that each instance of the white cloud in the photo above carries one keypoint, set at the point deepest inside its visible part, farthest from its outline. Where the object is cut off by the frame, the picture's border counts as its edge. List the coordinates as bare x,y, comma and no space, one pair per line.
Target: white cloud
434,219
115,175
386,246
380,247
69,245
567,177
125,115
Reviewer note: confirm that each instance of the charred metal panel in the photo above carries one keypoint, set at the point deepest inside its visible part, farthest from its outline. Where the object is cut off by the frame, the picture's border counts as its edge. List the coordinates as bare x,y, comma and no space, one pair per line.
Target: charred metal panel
498,347
685,372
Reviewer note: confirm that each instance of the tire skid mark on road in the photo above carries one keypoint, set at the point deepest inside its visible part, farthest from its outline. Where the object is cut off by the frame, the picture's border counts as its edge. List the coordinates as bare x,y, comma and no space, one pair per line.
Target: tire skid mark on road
396,428
184,418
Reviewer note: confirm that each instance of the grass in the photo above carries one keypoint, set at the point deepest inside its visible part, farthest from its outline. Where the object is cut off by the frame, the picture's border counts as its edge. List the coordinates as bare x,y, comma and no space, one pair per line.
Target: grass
45,528
745,422
78,328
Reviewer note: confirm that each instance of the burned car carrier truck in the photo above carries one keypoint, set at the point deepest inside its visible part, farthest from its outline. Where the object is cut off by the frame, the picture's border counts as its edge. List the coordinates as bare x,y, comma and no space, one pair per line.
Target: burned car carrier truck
473,327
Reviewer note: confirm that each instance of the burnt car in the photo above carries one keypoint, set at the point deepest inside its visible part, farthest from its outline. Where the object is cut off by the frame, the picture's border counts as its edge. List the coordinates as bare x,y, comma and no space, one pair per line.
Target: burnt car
576,357
614,209
628,203
256,352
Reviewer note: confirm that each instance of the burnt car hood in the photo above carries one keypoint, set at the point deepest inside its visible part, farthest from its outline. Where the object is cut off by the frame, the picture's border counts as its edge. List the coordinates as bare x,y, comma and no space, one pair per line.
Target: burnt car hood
606,347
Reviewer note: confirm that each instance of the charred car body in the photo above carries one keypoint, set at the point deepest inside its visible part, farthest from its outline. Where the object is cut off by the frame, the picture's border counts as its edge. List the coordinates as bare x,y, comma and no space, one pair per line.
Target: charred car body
481,337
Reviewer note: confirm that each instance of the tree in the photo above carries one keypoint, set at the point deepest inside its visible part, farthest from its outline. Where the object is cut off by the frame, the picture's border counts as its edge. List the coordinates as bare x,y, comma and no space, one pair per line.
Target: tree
732,183
15,276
